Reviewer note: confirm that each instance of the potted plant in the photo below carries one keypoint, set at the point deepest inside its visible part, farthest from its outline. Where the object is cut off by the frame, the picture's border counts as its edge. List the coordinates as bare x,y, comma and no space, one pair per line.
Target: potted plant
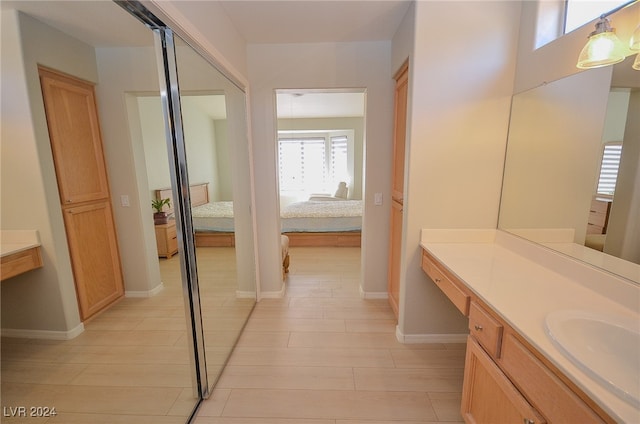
160,216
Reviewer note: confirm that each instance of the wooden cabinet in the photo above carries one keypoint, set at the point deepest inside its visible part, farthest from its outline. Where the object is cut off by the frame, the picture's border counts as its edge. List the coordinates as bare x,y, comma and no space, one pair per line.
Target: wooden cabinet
167,239
94,256
485,329
397,186
20,262
488,396
542,386
76,144
599,216
447,283
506,379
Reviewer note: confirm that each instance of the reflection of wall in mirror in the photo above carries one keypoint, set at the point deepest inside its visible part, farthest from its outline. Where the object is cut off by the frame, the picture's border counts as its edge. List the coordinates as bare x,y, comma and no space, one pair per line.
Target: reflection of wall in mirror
623,233
553,154
205,138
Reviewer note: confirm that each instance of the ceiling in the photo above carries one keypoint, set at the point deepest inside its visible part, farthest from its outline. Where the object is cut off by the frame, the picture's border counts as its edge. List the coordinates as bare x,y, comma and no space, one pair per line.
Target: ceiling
313,21
318,104
101,23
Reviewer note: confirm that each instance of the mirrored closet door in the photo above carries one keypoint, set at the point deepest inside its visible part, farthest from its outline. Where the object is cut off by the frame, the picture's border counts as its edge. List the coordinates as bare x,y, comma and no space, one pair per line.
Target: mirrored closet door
154,353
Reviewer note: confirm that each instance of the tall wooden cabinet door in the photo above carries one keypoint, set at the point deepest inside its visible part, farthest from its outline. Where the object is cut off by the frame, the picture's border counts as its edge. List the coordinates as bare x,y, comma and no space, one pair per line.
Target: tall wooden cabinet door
394,256
397,186
399,132
488,397
94,256
76,142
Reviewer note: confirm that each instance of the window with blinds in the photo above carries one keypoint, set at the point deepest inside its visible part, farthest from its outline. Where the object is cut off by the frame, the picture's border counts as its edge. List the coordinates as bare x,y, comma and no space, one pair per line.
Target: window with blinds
313,164
609,168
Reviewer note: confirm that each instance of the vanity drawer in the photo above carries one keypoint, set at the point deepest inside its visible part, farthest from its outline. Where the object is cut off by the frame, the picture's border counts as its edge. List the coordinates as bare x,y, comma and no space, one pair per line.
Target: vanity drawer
455,294
543,388
486,330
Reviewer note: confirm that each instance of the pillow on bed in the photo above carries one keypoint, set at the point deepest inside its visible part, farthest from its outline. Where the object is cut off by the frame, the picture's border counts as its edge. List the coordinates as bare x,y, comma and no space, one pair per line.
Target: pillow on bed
342,191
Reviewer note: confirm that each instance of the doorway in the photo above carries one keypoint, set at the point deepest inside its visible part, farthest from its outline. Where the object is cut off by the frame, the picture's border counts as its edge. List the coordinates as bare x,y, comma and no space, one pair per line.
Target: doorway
320,144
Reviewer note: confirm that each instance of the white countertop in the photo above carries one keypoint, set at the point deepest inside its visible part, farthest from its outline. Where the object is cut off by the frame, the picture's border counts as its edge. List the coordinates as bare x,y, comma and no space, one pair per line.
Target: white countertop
14,241
523,282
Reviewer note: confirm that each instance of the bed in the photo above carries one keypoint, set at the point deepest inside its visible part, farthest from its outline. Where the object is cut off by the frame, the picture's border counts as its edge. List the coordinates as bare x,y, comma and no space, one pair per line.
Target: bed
323,222
212,221
317,222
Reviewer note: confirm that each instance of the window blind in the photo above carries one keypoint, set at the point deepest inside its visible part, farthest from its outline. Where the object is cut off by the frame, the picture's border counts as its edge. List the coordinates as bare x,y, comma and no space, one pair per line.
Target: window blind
609,168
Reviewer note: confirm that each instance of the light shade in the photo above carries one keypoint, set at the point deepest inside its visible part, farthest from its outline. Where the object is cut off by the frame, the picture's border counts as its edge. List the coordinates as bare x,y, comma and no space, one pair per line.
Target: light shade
636,63
603,48
634,42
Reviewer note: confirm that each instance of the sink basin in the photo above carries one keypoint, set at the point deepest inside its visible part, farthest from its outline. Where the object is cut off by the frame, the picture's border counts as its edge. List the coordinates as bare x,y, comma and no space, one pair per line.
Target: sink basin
605,347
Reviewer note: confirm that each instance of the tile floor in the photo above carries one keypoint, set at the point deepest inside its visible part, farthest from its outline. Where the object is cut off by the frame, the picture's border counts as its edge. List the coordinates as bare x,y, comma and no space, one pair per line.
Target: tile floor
132,362
323,355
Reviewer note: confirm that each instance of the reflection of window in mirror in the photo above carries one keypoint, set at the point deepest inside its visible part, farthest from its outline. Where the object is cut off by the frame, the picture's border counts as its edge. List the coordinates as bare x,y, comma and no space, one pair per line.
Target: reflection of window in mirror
609,166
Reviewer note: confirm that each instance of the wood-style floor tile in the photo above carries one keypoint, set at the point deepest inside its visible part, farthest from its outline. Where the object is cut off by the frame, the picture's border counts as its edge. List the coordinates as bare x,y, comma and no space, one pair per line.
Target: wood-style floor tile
329,404
324,355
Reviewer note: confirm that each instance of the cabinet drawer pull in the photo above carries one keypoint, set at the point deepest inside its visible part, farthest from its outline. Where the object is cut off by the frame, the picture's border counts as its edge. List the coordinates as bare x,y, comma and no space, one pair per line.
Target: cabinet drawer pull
478,327
438,280
529,421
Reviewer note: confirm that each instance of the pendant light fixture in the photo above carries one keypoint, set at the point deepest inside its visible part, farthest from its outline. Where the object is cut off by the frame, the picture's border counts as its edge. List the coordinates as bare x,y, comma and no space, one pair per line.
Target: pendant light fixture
634,45
603,48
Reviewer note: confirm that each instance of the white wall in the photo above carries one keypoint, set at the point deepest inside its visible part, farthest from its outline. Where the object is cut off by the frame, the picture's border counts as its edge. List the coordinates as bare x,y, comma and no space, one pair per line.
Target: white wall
461,79
44,299
124,152
201,141
324,65
623,234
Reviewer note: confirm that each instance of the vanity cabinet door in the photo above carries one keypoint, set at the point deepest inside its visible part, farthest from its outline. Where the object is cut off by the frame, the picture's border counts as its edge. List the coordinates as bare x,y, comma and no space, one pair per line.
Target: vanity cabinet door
544,389
487,394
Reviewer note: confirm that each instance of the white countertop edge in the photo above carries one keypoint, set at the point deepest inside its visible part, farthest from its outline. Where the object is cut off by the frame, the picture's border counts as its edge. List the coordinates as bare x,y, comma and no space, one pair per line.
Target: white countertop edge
458,236
14,241
532,327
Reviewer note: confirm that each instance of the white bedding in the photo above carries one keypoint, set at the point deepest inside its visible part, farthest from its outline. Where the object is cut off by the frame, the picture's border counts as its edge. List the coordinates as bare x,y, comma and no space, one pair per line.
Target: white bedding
322,216
216,216
310,216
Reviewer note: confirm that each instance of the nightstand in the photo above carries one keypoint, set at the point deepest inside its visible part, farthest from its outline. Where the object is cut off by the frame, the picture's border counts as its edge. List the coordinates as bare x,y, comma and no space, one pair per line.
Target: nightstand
167,239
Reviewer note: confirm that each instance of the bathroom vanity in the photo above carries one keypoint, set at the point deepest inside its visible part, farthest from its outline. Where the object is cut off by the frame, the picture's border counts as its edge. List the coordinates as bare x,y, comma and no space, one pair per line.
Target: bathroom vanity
532,313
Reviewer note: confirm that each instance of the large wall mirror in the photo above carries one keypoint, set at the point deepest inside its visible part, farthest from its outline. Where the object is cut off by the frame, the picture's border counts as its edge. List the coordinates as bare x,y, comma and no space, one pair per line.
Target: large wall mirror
572,168
153,353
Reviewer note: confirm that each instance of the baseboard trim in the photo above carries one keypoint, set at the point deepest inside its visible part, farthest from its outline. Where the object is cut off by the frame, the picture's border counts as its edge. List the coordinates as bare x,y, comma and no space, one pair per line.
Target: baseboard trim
142,293
43,334
245,294
273,294
430,338
373,295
